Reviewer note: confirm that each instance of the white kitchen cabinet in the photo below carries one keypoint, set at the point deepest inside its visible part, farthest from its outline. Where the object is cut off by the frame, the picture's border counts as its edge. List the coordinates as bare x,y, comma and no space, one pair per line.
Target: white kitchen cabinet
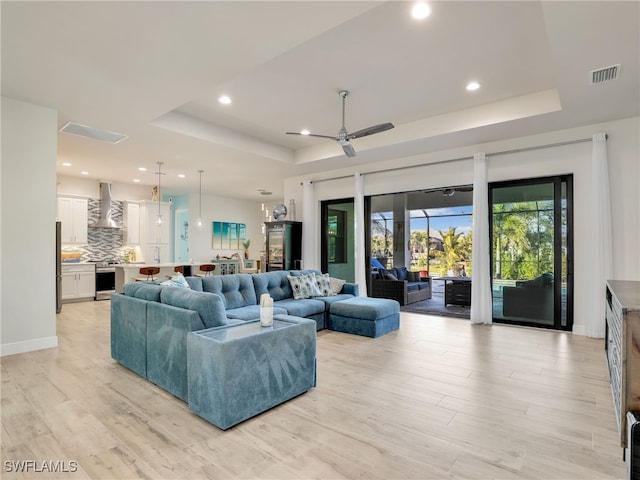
74,215
154,237
131,216
154,254
150,231
78,282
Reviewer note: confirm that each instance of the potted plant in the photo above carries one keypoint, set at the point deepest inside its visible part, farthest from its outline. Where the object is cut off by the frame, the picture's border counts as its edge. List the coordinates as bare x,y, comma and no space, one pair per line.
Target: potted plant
246,244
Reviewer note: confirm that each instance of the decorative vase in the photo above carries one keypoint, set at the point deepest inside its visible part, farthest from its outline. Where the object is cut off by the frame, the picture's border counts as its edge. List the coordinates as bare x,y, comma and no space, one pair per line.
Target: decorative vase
246,254
266,310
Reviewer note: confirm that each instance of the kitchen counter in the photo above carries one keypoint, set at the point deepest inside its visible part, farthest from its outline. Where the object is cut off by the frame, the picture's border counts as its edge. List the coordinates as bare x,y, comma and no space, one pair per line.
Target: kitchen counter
136,266
125,272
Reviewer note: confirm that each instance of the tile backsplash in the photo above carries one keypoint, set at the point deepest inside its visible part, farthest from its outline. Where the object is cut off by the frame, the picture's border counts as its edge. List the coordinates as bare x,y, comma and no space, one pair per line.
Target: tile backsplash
103,243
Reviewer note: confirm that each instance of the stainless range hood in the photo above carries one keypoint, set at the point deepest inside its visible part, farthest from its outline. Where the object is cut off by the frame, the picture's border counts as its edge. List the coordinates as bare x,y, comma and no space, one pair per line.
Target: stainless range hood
105,220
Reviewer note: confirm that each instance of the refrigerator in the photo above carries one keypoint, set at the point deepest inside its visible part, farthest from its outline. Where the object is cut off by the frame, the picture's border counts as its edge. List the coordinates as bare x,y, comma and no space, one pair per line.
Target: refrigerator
284,245
58,267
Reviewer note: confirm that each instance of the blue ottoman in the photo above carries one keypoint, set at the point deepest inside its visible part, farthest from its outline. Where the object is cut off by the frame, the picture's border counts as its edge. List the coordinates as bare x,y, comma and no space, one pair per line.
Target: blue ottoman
366,316
238,371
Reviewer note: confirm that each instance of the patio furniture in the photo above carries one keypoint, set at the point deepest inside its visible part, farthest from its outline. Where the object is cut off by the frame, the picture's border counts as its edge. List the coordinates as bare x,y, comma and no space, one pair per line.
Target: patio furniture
457,290
530,298
400,285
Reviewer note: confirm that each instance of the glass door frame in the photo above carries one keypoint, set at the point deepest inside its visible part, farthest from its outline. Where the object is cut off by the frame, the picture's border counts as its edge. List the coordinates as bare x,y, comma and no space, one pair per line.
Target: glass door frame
557,182
325,206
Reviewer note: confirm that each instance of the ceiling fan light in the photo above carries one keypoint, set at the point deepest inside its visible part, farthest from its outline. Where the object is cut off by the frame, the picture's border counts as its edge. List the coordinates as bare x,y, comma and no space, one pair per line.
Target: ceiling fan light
347,147
304,132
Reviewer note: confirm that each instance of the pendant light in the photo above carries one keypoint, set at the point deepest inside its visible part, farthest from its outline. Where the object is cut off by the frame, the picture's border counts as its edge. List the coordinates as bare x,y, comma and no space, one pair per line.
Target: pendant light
200,211
159,221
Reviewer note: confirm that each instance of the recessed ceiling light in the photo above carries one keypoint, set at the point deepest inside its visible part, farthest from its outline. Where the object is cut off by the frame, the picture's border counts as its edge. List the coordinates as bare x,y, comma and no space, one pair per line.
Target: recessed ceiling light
472,86
142,169
421,11
84,173
304,132
66,164
224,99
136,180
181,175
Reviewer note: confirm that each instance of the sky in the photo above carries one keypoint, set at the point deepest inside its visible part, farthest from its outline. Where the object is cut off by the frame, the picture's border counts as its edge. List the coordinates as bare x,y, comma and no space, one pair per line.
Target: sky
441,219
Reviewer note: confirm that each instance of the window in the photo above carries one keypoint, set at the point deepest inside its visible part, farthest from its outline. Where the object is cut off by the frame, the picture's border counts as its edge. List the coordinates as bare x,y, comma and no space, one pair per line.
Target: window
337,236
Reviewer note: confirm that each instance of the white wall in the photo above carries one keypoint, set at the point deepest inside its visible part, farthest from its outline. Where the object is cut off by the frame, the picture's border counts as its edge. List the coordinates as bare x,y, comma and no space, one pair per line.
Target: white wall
624,154
28,206
221,209
90,187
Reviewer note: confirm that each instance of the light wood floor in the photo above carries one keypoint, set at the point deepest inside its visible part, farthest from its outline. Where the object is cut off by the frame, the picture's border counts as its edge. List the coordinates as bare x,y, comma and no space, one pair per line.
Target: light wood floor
437,399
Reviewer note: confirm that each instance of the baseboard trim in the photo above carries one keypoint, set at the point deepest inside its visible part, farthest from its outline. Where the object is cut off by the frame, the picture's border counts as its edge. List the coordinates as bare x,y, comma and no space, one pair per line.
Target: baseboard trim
28,346
579,330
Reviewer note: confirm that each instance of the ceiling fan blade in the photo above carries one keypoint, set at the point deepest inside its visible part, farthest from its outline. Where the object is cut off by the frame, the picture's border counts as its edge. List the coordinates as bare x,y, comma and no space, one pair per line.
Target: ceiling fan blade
311,135
349,151
383,127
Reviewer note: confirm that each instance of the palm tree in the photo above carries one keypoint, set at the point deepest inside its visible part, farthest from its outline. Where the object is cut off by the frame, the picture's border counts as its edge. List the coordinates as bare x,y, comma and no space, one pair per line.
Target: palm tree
454,247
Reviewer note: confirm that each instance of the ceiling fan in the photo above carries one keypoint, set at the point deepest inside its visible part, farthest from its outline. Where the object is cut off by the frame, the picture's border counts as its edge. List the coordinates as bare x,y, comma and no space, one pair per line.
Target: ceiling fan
343,137
450,192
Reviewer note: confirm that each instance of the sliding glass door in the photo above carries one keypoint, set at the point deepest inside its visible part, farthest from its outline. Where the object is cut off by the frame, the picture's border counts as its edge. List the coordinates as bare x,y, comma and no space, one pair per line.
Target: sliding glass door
337,248
531,229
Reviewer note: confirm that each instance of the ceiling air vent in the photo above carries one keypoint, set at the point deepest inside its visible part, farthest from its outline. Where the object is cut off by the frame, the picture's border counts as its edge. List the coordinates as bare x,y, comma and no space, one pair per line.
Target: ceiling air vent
604,74
90,132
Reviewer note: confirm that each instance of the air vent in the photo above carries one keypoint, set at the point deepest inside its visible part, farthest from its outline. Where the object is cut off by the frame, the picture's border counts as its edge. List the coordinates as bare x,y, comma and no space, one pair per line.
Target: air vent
90,132
604,74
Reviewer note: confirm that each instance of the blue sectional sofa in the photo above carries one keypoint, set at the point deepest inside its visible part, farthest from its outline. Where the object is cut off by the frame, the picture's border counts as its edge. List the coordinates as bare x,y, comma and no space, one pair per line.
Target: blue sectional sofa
150,322
151,325
241,295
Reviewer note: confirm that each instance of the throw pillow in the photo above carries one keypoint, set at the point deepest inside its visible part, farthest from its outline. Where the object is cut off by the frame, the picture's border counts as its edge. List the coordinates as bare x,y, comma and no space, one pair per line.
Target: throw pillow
178,280
297,286
390,276
324,285
303,286
376,263
312,284
401,273
336,285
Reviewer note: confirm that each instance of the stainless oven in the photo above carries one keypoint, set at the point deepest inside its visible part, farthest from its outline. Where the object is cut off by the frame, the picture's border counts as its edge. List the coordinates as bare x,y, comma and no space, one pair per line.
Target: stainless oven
105,280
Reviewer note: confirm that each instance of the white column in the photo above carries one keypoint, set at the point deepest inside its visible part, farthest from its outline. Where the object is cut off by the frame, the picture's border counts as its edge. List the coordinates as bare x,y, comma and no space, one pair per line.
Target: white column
358,206
481,302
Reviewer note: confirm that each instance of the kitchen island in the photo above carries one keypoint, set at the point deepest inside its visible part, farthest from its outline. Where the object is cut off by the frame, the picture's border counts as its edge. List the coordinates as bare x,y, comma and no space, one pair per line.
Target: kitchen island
126,272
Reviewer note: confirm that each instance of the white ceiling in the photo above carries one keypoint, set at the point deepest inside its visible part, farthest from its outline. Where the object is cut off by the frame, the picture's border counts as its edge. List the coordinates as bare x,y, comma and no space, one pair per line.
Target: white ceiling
154,71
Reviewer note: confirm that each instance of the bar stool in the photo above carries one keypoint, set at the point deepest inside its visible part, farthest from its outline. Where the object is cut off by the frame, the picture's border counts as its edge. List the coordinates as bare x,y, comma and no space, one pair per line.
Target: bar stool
206,269
149,272
176,269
